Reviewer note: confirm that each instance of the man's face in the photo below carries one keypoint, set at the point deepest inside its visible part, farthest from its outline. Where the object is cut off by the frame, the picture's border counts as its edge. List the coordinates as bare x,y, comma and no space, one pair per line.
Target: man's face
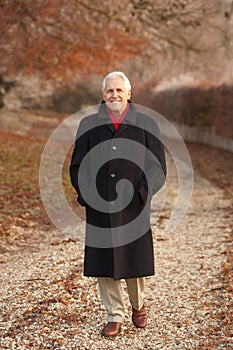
115,95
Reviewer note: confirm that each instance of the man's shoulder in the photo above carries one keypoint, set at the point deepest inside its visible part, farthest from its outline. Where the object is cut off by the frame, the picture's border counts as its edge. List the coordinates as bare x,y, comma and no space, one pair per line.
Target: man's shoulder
146,121
86,124
88,121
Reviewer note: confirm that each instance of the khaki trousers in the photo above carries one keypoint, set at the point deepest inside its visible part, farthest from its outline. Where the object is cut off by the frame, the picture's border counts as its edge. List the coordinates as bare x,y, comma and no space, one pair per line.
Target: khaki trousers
110,293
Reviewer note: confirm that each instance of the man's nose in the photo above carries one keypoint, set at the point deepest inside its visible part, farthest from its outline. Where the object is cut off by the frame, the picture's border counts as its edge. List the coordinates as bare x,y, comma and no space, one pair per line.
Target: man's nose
114,93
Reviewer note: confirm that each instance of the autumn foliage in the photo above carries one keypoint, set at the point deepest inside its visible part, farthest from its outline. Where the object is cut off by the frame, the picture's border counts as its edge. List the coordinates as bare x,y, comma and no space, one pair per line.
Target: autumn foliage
62,39
59,39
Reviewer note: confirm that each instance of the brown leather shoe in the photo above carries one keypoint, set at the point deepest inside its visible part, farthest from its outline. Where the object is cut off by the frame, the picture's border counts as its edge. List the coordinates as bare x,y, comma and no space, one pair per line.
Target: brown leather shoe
139,317
111,329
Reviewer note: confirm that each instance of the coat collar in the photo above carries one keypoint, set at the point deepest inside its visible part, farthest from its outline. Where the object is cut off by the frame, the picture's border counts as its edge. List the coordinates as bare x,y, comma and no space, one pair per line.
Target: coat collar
130,118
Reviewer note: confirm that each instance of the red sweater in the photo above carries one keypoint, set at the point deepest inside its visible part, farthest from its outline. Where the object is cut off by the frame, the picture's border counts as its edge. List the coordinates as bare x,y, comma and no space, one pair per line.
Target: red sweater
116,122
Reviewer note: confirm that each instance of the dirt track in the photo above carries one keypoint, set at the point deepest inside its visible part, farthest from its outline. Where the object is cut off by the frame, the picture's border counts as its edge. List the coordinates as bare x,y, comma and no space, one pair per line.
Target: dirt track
46,303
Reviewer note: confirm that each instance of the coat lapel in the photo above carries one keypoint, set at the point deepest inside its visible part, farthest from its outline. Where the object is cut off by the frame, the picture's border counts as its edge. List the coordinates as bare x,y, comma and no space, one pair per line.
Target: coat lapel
104,117
111,127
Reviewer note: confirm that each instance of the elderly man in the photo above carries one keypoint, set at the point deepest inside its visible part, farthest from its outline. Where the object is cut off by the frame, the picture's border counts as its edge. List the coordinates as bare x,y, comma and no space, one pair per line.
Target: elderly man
126,146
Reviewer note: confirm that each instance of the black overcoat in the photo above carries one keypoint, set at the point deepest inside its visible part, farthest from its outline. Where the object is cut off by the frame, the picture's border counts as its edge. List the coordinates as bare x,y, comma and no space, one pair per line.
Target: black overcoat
104,157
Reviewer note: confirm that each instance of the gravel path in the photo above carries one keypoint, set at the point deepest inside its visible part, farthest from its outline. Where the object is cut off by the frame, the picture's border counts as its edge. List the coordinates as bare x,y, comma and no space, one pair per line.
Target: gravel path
46,303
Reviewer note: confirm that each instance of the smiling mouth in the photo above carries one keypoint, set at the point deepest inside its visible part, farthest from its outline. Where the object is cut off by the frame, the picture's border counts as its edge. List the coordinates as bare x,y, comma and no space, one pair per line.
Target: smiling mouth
115,105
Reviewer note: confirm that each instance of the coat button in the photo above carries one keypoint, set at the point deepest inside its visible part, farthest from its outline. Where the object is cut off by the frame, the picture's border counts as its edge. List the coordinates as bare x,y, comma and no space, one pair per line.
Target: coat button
113,175
114,148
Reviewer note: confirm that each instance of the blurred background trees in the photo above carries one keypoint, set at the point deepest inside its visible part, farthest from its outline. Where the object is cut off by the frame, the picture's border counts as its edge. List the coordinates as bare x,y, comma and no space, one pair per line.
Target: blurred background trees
64,39
53,53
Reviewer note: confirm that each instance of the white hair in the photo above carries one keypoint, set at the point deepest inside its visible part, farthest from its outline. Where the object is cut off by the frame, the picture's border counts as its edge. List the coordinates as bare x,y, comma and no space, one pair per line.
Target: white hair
117,74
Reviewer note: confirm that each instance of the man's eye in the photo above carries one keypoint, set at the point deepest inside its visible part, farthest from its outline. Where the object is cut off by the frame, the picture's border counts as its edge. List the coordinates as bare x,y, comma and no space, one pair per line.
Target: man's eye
117,90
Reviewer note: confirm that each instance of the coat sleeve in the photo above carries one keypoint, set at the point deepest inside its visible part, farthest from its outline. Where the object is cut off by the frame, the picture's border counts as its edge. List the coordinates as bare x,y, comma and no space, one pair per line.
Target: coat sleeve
81,149
155,165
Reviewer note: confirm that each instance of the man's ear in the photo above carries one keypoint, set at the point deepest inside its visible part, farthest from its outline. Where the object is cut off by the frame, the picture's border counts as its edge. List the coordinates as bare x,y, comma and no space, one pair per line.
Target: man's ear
129,94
